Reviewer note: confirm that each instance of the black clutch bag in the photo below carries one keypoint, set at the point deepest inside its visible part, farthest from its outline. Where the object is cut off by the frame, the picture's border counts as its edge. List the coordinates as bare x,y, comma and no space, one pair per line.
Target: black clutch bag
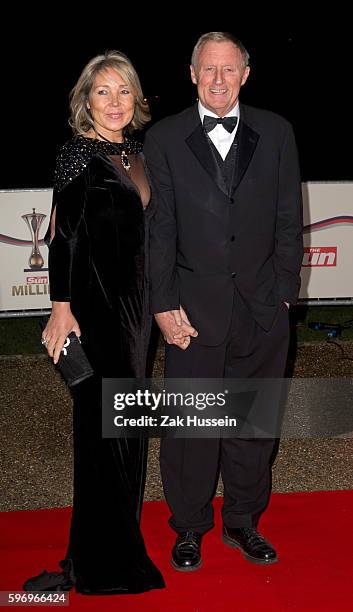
73,363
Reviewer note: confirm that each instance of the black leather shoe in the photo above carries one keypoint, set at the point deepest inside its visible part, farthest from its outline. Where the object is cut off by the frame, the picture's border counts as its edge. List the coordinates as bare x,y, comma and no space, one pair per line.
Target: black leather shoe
186,553
253,546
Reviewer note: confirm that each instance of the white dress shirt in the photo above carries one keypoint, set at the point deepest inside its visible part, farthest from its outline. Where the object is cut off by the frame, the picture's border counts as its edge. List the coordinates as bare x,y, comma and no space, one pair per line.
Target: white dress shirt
221,139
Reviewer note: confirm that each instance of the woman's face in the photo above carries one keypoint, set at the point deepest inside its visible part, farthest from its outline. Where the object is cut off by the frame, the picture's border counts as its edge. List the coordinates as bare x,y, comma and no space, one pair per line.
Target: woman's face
112,104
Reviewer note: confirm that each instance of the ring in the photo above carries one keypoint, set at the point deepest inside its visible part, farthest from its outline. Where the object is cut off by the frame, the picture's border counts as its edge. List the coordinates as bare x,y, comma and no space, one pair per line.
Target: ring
44,341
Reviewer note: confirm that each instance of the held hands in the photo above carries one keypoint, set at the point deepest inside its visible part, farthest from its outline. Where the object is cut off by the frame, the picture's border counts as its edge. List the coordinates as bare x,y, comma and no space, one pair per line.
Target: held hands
176,327
60,324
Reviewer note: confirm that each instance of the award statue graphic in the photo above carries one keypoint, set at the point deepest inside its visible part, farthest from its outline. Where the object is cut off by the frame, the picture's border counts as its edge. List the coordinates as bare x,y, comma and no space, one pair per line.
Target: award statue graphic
34,221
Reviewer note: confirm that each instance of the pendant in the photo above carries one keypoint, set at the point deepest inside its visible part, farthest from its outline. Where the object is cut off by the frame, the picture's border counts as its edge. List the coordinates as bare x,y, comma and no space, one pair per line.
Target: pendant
125,161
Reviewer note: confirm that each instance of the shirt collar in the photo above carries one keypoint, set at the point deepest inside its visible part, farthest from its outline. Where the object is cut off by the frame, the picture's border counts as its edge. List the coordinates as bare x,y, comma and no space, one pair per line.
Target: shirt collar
235,112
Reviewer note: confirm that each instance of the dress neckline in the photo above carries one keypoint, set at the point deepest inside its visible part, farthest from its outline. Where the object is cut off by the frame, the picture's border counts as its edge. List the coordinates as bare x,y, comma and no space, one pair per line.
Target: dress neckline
129,146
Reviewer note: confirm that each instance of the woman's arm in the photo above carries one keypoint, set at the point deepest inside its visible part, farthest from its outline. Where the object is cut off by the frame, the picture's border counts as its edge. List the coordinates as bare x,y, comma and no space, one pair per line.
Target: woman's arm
66,217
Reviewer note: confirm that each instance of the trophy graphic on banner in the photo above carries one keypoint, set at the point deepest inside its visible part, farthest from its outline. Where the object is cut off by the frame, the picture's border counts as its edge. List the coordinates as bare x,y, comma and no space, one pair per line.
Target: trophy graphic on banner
34,221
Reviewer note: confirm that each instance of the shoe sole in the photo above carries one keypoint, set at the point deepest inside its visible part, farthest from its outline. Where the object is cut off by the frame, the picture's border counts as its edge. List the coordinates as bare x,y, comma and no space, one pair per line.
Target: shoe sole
192,568
232,544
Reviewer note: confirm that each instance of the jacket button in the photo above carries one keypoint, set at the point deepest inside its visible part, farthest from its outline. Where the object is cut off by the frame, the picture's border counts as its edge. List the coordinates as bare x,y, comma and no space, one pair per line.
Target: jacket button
231,200
233,274
232,238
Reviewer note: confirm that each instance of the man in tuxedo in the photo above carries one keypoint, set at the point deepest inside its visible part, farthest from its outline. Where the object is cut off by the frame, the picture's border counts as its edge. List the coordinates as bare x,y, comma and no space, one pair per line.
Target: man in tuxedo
225,256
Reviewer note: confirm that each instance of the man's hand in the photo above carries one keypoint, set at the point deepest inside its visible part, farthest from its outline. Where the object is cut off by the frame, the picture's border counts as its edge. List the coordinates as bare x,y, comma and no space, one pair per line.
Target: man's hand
176,327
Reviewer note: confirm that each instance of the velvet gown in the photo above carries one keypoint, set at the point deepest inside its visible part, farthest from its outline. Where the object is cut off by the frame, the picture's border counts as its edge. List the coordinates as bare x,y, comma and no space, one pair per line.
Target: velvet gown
97,262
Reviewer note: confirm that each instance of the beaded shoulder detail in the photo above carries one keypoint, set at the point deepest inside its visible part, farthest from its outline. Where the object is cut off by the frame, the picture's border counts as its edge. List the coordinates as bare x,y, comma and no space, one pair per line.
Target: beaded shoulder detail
76,154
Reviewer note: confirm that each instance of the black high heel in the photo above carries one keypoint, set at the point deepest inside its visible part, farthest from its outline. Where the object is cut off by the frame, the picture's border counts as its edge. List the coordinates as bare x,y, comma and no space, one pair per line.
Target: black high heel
52,581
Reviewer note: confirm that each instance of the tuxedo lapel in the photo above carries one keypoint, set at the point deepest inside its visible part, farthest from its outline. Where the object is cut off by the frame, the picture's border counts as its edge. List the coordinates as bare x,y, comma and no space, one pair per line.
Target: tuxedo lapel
247,141
199,145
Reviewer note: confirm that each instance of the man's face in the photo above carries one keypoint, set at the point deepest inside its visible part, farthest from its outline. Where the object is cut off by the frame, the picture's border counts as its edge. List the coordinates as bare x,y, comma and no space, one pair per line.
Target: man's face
219,75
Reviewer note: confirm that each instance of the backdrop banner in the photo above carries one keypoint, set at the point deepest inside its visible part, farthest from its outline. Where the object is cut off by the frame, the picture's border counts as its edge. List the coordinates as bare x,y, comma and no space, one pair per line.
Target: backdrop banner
24,281
24,217
328,240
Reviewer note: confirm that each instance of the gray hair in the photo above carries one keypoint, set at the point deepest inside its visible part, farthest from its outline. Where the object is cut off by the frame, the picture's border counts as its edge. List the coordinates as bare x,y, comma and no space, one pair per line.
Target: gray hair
80,118
218,37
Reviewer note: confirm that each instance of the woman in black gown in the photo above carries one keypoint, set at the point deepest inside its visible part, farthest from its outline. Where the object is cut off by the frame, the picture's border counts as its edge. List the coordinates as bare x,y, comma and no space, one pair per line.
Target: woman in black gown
97,287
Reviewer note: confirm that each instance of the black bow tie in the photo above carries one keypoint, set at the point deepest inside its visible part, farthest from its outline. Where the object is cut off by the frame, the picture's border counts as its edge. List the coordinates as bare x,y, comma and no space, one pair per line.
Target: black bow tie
229,123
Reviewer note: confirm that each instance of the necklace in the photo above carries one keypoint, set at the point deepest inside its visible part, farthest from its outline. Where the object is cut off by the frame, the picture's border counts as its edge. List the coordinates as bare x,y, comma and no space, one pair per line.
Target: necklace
123,156
125,161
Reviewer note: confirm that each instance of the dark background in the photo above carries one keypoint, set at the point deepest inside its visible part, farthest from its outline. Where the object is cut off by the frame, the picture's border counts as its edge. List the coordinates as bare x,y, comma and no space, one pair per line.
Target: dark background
300,68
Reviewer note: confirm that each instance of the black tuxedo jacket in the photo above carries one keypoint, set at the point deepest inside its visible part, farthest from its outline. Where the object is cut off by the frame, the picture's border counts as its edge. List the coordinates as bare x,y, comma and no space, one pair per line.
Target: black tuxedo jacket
204,239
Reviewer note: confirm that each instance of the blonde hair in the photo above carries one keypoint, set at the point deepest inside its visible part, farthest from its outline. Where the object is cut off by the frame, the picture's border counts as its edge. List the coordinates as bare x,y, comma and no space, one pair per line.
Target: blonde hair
80,117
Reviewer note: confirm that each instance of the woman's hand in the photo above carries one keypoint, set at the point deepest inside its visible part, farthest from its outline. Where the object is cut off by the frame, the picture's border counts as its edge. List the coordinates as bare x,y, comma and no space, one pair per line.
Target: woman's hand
60,324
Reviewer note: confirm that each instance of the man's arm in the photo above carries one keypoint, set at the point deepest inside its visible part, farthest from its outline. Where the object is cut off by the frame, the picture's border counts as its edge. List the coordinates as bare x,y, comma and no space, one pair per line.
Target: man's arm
164,288
289,223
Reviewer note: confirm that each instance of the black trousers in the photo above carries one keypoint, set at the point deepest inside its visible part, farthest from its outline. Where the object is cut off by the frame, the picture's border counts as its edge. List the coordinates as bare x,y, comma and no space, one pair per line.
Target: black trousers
190,467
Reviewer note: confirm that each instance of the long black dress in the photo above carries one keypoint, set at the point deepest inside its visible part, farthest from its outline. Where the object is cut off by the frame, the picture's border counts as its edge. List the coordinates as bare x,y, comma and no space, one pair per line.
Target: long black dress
96,261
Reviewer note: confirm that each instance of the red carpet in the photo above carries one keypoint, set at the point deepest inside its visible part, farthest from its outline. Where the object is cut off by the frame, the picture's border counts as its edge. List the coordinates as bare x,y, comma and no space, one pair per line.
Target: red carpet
312,532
